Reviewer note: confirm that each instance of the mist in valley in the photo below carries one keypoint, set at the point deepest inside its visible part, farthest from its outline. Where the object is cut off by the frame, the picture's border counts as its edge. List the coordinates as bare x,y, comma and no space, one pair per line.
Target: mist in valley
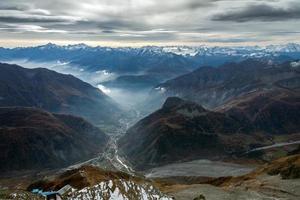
131,100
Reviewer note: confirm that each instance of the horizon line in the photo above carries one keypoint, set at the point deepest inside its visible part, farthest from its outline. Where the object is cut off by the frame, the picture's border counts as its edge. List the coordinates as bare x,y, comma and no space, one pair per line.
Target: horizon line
88,44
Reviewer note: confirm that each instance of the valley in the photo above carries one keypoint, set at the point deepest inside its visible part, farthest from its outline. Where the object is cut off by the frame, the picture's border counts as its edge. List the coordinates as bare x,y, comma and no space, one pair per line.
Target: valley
228,131
109,159
150,100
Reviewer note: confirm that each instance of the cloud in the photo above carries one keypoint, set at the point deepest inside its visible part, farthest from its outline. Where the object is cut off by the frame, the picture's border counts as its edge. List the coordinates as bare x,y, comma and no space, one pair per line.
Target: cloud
261,12
17,6
93,78
12,7
19,11
20,28
150,21
36,19
230,40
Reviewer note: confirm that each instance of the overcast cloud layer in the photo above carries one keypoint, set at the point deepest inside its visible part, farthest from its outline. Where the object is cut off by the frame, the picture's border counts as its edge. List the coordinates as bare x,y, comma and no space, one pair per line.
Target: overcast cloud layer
146,22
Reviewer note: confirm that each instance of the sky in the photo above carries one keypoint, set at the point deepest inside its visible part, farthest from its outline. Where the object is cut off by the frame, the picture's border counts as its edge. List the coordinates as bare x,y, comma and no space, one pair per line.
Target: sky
149,22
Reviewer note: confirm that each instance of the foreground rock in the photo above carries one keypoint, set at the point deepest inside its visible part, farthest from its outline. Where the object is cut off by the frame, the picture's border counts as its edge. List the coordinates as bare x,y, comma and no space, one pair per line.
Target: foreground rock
92,183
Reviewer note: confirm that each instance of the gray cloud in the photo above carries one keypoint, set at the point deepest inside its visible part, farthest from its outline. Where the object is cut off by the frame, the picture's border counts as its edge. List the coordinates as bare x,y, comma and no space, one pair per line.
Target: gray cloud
231,40
150,21
19,6
261,12
34,19
8,7
16,28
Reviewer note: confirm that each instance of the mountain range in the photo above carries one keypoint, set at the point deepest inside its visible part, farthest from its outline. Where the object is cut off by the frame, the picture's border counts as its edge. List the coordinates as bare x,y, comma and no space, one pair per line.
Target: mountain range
54,92
162,62
219,111
212,87
218,114
182,130
204,55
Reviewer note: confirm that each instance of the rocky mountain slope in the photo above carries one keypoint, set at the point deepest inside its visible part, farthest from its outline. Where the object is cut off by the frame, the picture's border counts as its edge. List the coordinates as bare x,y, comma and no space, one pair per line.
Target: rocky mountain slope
182,130
32,139
274,111
54,92
212,87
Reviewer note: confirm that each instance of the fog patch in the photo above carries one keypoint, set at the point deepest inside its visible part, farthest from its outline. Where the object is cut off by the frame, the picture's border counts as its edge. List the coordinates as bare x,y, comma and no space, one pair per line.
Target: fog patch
128,98
295,64
93,78
104,89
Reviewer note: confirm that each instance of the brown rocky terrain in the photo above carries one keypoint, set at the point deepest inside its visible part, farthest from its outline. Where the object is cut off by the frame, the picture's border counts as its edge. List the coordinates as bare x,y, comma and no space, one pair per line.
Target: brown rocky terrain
212,87
182,130
32,139
79,178
89,182
278,180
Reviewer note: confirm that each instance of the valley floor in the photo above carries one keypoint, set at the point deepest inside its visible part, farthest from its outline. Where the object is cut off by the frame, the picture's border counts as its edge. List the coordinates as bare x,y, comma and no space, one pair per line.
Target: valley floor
199,168
263,188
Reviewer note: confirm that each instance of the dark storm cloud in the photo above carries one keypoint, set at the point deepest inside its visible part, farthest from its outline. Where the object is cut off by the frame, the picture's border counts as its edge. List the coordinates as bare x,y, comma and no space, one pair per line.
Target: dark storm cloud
11,5
119,24
108,31
33,19
261,12
19,8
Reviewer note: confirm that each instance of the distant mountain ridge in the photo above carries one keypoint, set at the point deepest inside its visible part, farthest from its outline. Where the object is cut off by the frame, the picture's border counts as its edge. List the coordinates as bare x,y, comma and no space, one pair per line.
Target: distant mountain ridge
122,67
247,51
54,92
149,58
